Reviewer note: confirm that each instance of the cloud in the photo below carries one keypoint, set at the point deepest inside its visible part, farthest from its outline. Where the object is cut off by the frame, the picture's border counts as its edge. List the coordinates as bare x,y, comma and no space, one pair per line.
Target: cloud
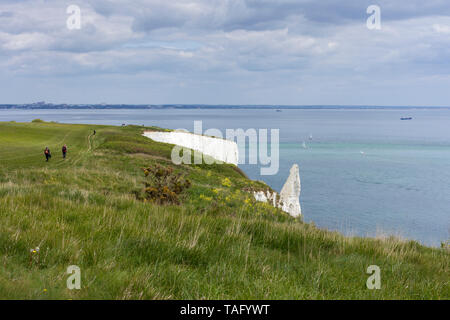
250,48
439,28
24,41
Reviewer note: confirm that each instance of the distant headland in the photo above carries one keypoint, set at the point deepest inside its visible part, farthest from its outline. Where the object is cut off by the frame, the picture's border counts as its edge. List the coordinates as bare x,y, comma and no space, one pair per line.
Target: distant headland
46,105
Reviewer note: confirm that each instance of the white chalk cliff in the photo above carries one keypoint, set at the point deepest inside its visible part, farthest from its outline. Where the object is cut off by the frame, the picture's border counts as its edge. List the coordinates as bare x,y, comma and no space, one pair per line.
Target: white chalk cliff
290,193
227,151
217,148
288,199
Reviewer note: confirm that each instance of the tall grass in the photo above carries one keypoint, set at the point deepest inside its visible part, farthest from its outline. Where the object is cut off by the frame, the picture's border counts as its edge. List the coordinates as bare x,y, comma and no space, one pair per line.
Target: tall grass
219,244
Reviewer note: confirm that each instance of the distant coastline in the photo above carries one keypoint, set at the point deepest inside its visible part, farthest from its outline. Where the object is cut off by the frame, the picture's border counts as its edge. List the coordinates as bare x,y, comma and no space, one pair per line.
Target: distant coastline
51,106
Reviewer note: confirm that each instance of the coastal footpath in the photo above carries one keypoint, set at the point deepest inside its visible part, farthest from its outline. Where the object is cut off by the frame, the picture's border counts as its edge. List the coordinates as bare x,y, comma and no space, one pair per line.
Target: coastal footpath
215,242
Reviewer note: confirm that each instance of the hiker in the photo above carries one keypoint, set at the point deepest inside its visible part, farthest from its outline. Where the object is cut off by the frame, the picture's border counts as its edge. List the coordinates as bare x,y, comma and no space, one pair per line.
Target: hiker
64,151
95,132
47,153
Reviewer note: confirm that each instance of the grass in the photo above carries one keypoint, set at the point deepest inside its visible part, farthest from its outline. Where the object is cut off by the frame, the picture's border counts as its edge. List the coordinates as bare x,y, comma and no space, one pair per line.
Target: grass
219,244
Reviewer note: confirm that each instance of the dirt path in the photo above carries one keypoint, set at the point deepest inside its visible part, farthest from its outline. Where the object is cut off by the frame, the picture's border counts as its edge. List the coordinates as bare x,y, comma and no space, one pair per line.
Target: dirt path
89,142
83,153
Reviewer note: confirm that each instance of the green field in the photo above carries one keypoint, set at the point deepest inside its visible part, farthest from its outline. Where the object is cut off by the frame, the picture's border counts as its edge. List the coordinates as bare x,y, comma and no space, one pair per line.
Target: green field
218,244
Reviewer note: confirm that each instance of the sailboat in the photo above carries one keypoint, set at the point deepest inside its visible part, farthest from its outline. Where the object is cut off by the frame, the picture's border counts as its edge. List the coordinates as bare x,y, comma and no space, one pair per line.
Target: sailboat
304,145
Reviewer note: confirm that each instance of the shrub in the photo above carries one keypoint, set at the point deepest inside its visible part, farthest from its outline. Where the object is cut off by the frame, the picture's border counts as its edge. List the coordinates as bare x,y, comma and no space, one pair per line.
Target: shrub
226,182
163,185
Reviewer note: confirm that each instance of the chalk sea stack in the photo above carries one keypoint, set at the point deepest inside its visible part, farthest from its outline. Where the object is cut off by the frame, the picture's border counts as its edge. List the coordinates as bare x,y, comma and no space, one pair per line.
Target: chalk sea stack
290,193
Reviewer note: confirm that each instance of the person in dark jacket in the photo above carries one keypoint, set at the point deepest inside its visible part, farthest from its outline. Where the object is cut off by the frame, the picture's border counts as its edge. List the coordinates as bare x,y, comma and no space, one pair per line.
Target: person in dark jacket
64,151
47,153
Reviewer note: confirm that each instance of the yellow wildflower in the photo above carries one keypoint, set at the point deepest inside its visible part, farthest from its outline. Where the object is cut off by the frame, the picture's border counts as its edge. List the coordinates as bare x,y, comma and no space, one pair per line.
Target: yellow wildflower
226,182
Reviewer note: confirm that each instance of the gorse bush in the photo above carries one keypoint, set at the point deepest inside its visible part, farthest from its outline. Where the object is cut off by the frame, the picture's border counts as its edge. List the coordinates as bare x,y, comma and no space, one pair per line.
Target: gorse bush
164,185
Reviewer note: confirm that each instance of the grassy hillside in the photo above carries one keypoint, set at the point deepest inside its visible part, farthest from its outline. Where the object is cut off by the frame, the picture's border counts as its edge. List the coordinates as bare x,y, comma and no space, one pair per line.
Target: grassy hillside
219,244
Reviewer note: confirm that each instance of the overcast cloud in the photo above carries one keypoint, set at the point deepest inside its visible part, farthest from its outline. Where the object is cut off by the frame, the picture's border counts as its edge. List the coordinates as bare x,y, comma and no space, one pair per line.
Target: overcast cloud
294,52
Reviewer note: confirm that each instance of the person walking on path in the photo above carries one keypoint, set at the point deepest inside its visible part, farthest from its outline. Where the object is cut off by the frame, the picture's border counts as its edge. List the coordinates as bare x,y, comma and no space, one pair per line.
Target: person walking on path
47,153
64,151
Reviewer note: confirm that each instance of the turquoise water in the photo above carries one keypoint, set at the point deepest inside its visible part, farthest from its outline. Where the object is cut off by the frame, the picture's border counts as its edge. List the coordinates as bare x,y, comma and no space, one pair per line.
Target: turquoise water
390,189
364,172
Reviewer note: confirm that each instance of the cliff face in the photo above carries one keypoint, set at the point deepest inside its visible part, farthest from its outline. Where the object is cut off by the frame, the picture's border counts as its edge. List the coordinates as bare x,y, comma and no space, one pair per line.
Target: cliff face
220,149
227,151
290,193
288,199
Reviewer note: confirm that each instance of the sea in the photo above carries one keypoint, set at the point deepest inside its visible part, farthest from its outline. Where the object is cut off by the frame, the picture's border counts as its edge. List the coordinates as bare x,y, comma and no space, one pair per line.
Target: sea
364,172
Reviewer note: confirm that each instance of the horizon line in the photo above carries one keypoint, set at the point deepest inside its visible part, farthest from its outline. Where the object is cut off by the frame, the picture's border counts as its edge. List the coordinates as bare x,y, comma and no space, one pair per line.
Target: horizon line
45,105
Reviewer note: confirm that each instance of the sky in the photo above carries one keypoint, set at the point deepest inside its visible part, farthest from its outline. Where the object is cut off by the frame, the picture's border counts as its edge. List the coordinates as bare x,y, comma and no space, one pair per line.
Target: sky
278,52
